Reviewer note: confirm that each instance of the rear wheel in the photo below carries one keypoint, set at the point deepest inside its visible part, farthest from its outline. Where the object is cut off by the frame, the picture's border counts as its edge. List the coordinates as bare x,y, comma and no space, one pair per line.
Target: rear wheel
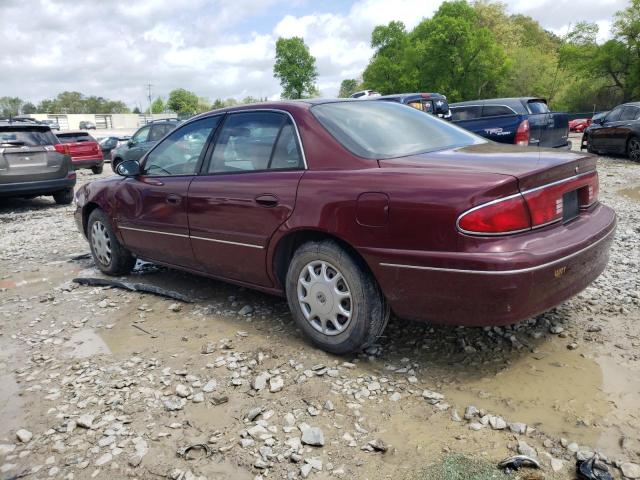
334,299
97,169
633,149
108,253
64,197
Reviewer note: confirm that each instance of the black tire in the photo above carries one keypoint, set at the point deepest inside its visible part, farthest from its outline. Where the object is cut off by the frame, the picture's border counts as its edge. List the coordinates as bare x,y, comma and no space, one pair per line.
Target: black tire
97,169
114,164
64,197
119,261
369,311
633,149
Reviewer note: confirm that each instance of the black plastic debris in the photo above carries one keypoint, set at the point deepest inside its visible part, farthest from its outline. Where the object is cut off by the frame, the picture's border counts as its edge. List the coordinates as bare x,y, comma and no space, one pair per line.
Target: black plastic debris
134,287
184,452
592,469
517,462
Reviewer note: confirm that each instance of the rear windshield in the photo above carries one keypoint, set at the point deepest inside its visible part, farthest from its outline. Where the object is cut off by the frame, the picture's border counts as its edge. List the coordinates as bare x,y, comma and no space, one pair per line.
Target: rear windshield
538,106
75,137
388,129
26,137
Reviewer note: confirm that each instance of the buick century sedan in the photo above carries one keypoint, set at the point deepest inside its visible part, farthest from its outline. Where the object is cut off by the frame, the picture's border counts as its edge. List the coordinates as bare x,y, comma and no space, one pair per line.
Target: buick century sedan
355,209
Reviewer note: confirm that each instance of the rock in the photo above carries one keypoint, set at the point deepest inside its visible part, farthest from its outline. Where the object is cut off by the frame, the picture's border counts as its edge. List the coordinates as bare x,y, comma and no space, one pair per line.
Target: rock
219,399
315,462
289,420
305,470
276,384
379,445
207,348
312,436
573,447
174,307
395,396
475,426
198,397
328,406
6,449
253,413
257,431
497,423
525,449
556,464
174,403
470,412
630,470
182,390
247,442
85,421
433,396
246,310
260,381
519,428
455,416
106,458
210,386
24,436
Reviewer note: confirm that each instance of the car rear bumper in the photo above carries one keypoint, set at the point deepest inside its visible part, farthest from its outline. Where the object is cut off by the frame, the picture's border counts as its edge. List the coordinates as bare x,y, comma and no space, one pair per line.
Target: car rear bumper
500,287
40,187
87,162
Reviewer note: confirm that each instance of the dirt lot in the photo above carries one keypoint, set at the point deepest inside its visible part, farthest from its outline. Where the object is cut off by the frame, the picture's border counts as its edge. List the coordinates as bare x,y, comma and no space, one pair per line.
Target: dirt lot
106,383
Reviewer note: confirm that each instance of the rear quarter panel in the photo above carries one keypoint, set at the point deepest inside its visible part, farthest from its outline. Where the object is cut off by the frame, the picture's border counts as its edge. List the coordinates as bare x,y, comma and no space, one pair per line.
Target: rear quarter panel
501,129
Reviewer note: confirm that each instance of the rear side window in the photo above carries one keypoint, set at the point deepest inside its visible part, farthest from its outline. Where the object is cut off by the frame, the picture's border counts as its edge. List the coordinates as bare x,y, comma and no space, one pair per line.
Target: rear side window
25,137
496,110
466,113
538,106
75,137
379,130
286,153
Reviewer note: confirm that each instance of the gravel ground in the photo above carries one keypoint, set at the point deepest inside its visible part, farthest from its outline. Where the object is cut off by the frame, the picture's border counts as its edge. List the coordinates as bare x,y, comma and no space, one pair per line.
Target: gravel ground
101,383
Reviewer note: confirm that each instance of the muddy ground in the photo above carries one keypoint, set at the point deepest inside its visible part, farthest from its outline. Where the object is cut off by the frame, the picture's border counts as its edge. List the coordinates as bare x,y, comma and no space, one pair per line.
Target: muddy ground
106,383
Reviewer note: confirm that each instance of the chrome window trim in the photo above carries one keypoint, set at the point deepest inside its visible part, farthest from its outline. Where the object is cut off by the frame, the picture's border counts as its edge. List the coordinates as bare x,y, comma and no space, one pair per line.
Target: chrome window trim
250,245
500,272
486,105
531,190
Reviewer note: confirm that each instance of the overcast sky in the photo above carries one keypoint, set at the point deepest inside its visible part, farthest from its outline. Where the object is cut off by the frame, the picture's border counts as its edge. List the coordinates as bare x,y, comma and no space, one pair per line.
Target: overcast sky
217,48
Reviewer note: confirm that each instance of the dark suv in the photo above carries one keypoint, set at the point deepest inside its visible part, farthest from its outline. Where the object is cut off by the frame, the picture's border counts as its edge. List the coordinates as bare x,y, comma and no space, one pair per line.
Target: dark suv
141,141
33,163
617,132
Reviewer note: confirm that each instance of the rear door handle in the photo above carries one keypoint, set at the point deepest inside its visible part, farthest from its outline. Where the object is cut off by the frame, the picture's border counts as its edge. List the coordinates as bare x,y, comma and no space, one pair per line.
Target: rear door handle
174,199
267,200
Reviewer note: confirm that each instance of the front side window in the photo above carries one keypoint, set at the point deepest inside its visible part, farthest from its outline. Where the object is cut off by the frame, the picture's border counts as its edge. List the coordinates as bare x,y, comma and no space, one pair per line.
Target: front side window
255,141
496,110
179,153
159,131
629,113
614,115
379,130
470,112
141,135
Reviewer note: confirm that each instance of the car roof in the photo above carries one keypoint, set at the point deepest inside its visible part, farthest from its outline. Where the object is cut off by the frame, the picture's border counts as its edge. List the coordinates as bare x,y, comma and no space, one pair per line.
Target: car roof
632,104
69,133
425,95
23,124
509,101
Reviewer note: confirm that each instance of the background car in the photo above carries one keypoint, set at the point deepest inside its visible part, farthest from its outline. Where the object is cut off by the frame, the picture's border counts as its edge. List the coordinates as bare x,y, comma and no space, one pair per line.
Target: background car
519,121
141,141
433,103
579,124
53,124
617,132
364,94
87,125
369,207
107,144
33,163
83,150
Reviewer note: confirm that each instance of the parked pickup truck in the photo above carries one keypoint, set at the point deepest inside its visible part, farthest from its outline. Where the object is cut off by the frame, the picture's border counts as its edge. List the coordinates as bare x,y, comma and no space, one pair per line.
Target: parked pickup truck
520,121
433,103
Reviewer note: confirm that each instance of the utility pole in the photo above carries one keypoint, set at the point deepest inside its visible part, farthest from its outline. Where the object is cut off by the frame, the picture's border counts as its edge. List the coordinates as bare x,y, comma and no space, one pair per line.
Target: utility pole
149,85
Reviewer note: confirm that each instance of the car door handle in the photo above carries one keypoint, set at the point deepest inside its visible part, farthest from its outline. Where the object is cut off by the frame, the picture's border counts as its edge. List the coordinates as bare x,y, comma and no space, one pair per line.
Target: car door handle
174,199
267,200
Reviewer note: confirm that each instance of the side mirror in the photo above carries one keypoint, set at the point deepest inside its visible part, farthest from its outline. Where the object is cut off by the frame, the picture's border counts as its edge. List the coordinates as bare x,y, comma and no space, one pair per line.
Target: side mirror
131,143
129,168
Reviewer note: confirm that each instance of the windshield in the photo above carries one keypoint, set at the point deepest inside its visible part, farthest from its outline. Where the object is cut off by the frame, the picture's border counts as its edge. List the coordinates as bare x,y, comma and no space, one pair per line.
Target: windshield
387,129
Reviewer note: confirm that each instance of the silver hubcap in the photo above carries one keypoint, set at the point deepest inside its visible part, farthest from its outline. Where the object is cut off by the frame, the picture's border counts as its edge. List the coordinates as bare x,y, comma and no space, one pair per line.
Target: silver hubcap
634,150
101,243
324,297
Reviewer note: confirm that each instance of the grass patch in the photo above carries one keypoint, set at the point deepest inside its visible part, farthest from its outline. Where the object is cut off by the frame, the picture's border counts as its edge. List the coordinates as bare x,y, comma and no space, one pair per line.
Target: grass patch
460,467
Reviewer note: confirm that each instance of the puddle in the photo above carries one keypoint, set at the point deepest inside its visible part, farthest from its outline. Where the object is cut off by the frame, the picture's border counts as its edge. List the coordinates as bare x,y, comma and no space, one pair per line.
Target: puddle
633,193
86,343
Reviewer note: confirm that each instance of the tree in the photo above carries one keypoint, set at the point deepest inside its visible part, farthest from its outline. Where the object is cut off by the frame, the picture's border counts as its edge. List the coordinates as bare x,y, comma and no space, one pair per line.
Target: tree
348,87
203,105
295,67
183,102
137,110
29,108
10,106
157,106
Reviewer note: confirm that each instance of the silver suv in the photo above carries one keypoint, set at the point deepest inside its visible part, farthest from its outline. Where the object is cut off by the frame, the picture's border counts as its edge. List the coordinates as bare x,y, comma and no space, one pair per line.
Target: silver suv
33,163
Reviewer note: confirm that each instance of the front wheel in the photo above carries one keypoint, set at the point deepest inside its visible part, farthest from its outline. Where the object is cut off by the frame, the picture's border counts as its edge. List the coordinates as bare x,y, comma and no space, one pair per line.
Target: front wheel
97,169
334,299
114,164
108,253
64,197
633,149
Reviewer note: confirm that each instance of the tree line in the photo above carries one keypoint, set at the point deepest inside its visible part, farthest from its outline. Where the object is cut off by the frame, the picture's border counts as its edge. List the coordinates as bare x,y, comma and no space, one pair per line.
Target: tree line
65,102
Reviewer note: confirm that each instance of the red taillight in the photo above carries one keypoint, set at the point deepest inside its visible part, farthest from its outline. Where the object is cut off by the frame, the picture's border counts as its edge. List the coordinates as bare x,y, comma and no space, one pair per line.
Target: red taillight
503,216
62,148
71,175
522,134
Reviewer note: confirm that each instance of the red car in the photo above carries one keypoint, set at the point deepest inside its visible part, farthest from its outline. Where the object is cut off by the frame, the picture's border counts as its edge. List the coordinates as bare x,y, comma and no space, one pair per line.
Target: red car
355,208
579,124
83,149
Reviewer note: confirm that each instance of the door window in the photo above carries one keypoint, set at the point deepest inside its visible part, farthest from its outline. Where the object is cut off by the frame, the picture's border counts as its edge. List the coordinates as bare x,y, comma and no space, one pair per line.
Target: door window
141,135
614,115
255,141
159,131
629,113
496,110
466,113
179,153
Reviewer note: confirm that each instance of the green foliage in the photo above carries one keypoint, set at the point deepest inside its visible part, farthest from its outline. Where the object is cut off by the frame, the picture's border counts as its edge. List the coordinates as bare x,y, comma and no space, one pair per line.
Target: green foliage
348,87
137,110
10,106
203,105
157,106
76,102
29,108
183,102
295,67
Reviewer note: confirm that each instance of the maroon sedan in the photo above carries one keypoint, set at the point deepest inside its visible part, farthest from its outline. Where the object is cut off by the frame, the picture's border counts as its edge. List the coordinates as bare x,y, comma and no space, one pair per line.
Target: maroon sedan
353,209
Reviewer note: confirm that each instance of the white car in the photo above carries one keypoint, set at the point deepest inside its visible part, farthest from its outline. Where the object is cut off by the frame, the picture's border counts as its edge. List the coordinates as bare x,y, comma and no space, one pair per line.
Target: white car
365,94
